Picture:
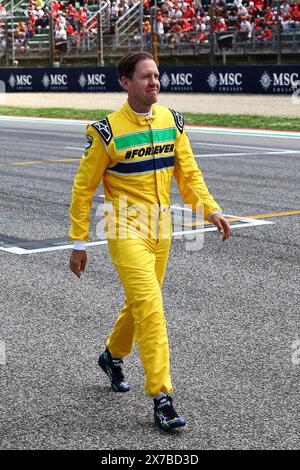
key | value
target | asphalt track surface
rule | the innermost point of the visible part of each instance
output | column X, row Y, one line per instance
column 232, row 308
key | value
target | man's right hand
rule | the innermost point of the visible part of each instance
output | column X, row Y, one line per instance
column 78, row 260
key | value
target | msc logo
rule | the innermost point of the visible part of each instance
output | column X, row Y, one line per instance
column 228, row 79
column 265, row 81
column 176, row 79
column 20, row 80
column 92, row 79
column 284, row 79
column 96, row 79
column 181, row 79
column 55, row 79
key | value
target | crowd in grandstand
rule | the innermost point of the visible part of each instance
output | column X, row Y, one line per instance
column 177, row 21
column 187, row 20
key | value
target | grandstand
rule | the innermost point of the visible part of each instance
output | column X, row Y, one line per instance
column 195, row 31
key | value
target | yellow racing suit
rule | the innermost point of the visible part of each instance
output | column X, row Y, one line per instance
column 136, row 157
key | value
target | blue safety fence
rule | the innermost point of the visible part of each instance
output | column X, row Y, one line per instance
column 262, row 79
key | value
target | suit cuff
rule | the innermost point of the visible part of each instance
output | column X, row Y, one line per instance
column 213, row 213
column 78, row 245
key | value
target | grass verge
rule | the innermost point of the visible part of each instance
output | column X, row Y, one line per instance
column 256, row 122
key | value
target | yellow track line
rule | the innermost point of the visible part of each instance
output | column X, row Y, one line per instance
column 259, row 216
column 35, row 162
column 274, row 214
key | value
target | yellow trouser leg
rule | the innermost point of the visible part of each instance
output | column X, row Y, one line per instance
column 141, row 267
column 121, row 339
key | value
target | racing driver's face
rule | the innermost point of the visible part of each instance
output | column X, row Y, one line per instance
column 143, row 87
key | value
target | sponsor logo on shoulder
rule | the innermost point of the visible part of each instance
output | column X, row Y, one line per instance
column 89, row 141
column 179, row 120
column 104, row 129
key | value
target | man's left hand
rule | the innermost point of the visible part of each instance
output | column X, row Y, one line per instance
column 222, row 225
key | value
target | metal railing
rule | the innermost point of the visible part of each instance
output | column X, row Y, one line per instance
column 127, row 23
column 13, row 6
column 104, row 10
column 231, row 43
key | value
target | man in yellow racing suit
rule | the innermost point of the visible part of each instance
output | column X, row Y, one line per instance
column 135, row 151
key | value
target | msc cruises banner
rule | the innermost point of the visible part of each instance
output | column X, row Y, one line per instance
column 262, row 79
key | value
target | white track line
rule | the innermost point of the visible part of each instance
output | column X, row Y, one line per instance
column 244, row 132
column 247, row 222
column 42, row 120
column 223, row 154
column 241, row 147
column 236, row 154
column 21, row 251
column 75, row 148
column 213, row 229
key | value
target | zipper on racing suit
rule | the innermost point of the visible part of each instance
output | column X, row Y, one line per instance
column 148, row 121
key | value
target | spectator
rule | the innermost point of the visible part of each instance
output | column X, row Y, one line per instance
column 30, row 32
column 147, row 27
column 178, row 13
column 287, row 23
column 123, row 8
column 60, row 34
column 114, row 11
column 61, row 20
column 177, row 27
column 252, row 10
column 220, row 25
column 296, row 16
column 56, row 6
column 187, row 26
column 206, row 20
column 182, row 4
column 171, row 12
column 242, row 10
column 81, row 19
column 60, row 39
column 39, row 4
column 70, row 30
column 2, row 12
column 246, row 29
column 42, row 21
column 20, row 31
column 199, row 38
column 259, row 4
column 160, row 29
column 269, row 16
column 285, row 6
column 166, row 6
column 258, row 24
column 189, row 12
column 267, row 34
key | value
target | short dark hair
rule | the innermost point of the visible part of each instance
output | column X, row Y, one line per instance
column 127, row 64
